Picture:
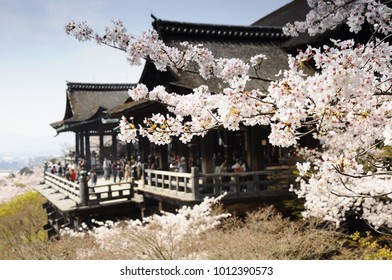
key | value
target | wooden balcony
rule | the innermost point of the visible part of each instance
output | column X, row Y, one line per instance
column 71, row 203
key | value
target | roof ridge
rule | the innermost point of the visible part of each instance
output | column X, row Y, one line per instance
column 218, row 30
column 99, row 86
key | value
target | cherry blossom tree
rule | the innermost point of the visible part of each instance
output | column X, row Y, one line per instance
column 160, row 236
column 18, row 184
column 345, row 104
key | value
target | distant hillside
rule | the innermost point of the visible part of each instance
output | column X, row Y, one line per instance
column 16, row 164
column 11, row 164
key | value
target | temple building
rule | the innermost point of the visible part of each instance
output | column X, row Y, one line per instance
column 225, row 41
column 94, row 109
column 86, row 116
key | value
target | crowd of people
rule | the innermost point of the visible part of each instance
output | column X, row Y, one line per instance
column 223, row 166
column 183, row 164
column 71, row 171
column 118, row 171
column 122, row 170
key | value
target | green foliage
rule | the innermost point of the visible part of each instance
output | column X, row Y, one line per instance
column 19, row 203
column 294, row 206
column 371, row 247
column 19, row 185
column 373, row 159
column 21, row 225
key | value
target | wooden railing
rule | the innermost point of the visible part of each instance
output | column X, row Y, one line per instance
column 246, row 183
column 192, row 186
column 85, row 195
column 62, row 185
column 170, row 183
column 196, row 185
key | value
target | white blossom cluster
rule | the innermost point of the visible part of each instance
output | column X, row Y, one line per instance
column 326, row 15
column 346, row 105
column 340, row 99
column 80, row 31
column 165, row 235
column 332, row 196
column 18, row 184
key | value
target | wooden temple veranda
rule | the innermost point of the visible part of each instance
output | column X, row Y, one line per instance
column 70, row 204
column 94, row 110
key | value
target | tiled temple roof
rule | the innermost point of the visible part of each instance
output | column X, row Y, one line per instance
column 169, row 28
column 72, row 86
column 89, row 102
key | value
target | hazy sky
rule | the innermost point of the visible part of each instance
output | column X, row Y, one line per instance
column 37, row 57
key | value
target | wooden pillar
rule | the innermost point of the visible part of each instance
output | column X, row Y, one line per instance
column 101, row 157
column 77, row 146
column 229, row 141
column 195, row 182
column 81, row 141
column 144, row 148
column 163, row 155
column 207, row 153
column 183, row 150
column 253, row 148
column 88, row 151
column 114, row 146
column 129, row 150
column 257, row 146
